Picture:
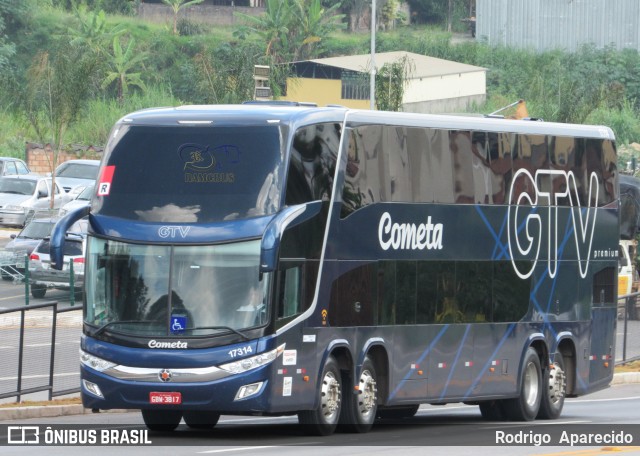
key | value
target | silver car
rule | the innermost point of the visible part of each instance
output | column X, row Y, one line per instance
column 43, row 277
column 73, row 173
column 23, row 196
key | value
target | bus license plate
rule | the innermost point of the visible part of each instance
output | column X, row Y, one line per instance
column 165, row 398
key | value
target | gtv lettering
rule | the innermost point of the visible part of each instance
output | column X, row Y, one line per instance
column 525, row 233
column 173, row 231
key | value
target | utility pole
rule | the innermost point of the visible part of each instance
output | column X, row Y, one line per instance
column 372, row 88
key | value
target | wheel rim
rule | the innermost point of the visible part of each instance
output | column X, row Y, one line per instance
column 330, row 396
column 367, row 397
column 557, row 384
column 531, row 386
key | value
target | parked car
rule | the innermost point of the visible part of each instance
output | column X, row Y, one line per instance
column 73, row 173
column 10, row 166
column 83, row 199
column 25, row 242
column 23, row 196
column 43, row 277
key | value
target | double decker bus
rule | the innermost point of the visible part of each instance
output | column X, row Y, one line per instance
column 346, row 265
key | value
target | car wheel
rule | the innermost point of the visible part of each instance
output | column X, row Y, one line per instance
column 38, row 291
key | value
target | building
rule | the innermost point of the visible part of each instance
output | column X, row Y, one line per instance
column 551, row 24
column 433, row 86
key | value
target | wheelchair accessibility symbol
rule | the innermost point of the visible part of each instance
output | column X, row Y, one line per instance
column 178, row 324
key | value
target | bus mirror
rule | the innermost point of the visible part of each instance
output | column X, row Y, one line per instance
column 289, row 217
column 56, row 244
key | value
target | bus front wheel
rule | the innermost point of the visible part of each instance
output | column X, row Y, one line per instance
column 525, row 407
column 556, row 389
column 361, row 404
column 161, row 420
column 324, row 419
column 201, row 419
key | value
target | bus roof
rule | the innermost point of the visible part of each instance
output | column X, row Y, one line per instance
column 251, row 114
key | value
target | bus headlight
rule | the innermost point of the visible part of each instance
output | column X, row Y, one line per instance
column 94, row 362
column 247, row 364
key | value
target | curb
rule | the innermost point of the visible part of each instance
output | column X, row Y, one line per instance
column 51, row 411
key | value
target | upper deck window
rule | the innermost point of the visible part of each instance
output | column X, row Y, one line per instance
column 191, row 174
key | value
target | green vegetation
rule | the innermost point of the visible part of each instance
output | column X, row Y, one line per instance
column 130, row 64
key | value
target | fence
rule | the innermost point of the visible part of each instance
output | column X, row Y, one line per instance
column 629, row 313
column 39, row 350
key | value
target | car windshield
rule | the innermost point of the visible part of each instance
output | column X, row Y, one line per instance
column 176, row 291
column 87, row 193
column 37, row 229
column 17, row 186
column 77, row 171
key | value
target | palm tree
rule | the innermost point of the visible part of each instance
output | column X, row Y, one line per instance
column 274, row 27
column 177, row 5
column 315, row 24
column 122, row 62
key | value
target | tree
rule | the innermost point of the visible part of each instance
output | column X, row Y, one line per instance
column 390, row 84
column 121, row 63
column 315, row 24
column 92, row 29
column 273, row 27
column 294, row 29
column 176, row 6
column 58, row 86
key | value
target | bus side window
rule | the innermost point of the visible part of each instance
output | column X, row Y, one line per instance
column 289, row 303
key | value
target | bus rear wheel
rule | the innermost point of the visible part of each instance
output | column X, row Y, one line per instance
column 161, row 420
column 525, row 407
column 324, row 419
column 553, row 398
column 201, row 419
column 361, row 404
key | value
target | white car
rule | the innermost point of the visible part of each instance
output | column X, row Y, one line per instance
column 82, row 199
column 43, row 277
column 22, row 197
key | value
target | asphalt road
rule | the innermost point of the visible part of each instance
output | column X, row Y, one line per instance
column 449, row 430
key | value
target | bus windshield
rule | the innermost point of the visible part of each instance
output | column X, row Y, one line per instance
column 194, row 174
column 152, row 290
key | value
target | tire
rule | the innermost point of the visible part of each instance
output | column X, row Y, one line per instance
column 201, row 419
column 398, row 413
column 324, row 419
column 492, row 410
column 161, row 420
column 525, row 407
column 553, row 397
column 361, row 406
column 38, row 291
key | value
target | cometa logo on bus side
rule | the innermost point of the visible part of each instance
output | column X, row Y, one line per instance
column 409, row 236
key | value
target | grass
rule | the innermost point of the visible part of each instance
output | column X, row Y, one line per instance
column 632, row 366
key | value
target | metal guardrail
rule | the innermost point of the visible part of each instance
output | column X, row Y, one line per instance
column 48, row 340
column 630, row 311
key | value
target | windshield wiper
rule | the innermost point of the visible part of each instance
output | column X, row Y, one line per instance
column 106, row 325
column 228, row 328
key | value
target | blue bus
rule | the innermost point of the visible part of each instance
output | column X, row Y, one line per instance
column 346, row 266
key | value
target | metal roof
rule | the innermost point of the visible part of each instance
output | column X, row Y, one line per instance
column 423, row 66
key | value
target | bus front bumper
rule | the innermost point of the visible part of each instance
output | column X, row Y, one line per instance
column 231, row 394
